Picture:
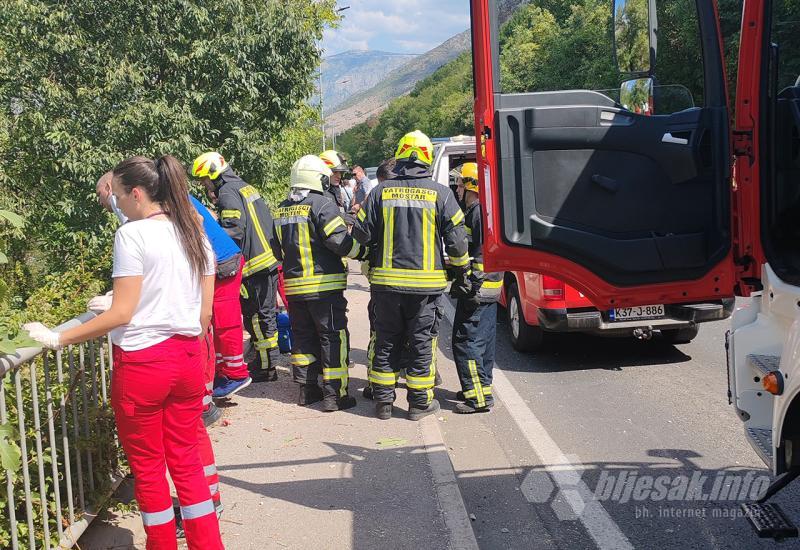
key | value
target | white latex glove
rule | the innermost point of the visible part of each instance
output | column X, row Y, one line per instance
column 46, row 337
column 100, row 304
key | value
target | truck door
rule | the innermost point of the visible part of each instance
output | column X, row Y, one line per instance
column 606, row 155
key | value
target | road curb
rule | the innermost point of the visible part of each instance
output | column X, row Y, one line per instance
column 448, row 493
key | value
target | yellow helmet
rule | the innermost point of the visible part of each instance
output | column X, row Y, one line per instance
column 469, row 175
column 334, row 161
column 310, row 172
column 416, row 147
column 209, row 165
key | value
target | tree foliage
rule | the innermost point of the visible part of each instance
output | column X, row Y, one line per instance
column 86, row 83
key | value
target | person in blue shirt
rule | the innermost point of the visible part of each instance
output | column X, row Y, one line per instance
column 231, row 371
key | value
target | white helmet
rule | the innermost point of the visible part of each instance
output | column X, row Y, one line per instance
column 310, row 172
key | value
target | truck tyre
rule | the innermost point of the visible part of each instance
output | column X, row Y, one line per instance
column 524, row 337
column 680, row 335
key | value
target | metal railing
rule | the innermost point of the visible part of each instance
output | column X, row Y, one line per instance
column 56, row 405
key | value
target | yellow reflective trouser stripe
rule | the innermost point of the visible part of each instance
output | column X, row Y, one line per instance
column 487, row 390
column 476, row 383
column 225, row 214
column 328, row 229
column 457, row 218
column 383, row 378
column 339, row 372
column 243, row 292
column 257, row 344
column 425, row 382
column 492, row 284
column 429, row 396
column 459, row 261
column 388, row 236
column 302, row 359
column 477, row 266
column 428, row 238
column 371, row 350
column 469, row 230
column 304, row 246
column 362, row 215
column 279, row 231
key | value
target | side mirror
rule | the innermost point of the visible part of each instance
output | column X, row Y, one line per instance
column 635, row 36
column 637, row 95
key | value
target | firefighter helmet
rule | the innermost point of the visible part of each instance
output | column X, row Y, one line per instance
column 469, row 175
column 335, row 161
column 416, row 147
column 208, row 165
column 310, row 172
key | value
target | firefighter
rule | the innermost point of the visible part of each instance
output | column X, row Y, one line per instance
column 475, row 321
column 247, row 219
column 311, row 239
column 333, row 190
column 404, row 223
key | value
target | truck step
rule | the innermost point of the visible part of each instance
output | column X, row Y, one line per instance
column 769, row 521
column 761, row 440
column 764, row 364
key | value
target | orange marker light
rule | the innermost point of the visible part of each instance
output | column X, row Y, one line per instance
column 773, row 383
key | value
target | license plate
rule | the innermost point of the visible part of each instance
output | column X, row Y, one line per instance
column 636, row 313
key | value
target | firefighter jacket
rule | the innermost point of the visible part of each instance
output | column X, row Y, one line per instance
column 485, row 285
column 311, row 238
column 247, row 219
column 408, row 223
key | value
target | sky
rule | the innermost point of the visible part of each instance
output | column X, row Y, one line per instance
column 397, row 26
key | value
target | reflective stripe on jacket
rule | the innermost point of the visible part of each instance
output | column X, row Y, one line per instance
column 489, row 283
column 405, row 222
column 311, row 239
column 245, row 216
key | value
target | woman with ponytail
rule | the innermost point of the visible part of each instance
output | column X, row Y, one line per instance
column 163, row 288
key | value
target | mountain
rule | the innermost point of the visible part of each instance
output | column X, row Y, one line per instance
column 362, row 69
column 400, row 81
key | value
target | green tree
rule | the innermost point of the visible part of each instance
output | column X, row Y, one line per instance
column 85, row 83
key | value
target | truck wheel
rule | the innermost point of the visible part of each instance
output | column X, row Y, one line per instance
column 680, row 335
column 524, row 337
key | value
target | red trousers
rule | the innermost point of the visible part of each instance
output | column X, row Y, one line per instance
column 157, row 396
column 203, row 441
column 227, row 324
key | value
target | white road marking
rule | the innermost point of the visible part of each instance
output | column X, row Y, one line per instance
column 604, row 531
column 447, row 491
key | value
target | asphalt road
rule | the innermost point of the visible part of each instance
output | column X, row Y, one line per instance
column 609, row 443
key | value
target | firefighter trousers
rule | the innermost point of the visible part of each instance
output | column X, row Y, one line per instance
column 259, row 311
column 406, row 336
column 157, row 395
column 227, row 323
column 474, row 335
column 320, row 342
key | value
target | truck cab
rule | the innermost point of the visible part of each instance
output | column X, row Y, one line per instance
column 654, row 180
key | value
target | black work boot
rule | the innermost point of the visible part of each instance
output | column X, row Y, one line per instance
column 264, row 375
column 309, row 393
column 383, row 410
column 437, row 379
column 416, row 413
column 466, row 408
column 333, row 403
column 460, row 396
column 211, row 415
column 367, row 392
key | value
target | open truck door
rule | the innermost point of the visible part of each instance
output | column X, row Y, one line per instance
column 623, row 188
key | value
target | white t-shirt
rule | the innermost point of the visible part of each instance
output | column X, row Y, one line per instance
column 171, row 297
